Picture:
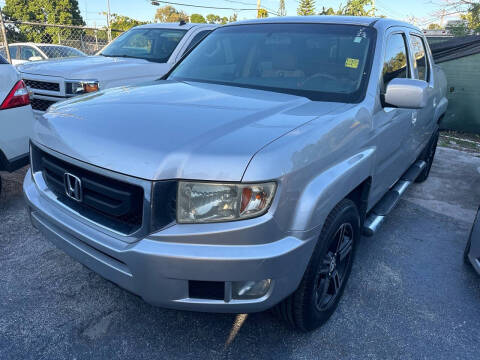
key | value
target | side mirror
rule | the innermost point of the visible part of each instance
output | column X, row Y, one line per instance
column 35, row 58
column 406, row 93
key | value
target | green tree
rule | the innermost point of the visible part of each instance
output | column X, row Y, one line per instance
column 358, row 8
column 262, row 13
column 281, row 8
column 58, row 12
column 306, row 7
column 434, row 27
column 328, row 11
column 459, row 28
column 168, row 14
column 472, row 17
column 121, row 22
column 197, row 19
column 213, row 19
column 233, row 18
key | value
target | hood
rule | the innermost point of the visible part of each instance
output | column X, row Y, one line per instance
column 172, row 129
column 96, row 68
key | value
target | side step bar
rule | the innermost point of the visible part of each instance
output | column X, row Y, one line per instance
column 390, row 199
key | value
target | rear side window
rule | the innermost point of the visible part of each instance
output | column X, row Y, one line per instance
column 2, row 60
column 197, row 38
column 396, row 60
column 420, row 55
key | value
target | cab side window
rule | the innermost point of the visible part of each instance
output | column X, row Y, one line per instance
column 396, row 60
column 420, row 56
column 27, row 52
column 196, row 39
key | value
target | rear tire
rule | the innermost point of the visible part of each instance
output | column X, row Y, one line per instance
column 428, row 156
column 323, row 283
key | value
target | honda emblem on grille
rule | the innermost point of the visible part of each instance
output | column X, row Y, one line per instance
column 73, row 186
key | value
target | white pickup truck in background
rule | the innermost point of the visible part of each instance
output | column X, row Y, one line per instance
column 142, row 54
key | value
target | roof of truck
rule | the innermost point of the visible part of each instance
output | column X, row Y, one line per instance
column 327, row 19
column 186, row 26
column 37, row 44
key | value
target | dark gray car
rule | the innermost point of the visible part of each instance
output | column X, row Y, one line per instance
column 472, row 250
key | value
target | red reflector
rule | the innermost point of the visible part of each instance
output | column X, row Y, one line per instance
column 18, row 96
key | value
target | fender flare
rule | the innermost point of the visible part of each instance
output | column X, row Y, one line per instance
column 441, row 109
column 330, row 187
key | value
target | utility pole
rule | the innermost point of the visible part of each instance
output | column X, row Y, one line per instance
column 373, row 7
column 109, row 29
column 4, row 34
column 443, row 13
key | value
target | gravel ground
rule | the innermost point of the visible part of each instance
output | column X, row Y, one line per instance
column 410, row 295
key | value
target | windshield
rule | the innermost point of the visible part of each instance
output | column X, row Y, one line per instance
column 326, row 62
column 149, row 44
column 55, row 52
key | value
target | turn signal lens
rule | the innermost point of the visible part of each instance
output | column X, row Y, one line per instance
column 82, row 87
column 90, row 87
column 18, row 96
column 215, row 202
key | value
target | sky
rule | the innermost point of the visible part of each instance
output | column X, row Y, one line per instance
column 143, row 10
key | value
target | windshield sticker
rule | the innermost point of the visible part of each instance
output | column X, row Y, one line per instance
column 352, row 63
column 358, row 39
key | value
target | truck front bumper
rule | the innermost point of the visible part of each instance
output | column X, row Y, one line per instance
column 162, row 272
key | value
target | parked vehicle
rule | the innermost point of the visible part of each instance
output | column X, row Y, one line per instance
column 472, row 250
column 144, row 53
column 244, row 178
column 16, row 119
column 22, row 53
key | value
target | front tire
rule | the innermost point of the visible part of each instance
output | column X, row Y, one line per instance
column 323, row 283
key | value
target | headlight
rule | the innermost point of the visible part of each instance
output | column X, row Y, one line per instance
column 215, row 202
column 81, row 87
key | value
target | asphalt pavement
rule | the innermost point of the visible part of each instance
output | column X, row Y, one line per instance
column 410, row 295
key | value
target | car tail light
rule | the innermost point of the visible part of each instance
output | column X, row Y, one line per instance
column 18, row 96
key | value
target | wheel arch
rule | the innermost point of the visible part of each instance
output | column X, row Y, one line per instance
column 350, row 178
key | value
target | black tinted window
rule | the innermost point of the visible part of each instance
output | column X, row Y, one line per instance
column 396, row 63
column 420, row 55
column 197, row 38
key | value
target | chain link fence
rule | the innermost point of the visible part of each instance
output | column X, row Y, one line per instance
column 30, row 41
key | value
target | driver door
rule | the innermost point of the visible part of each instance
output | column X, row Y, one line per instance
column 393, row 126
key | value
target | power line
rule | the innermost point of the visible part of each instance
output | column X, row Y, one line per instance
column 249, row 4
column 207, row 7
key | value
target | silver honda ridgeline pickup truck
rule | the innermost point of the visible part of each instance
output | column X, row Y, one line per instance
column 244, row 179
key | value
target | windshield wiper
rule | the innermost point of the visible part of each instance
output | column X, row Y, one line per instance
column 135, row 57
column 125, row 56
